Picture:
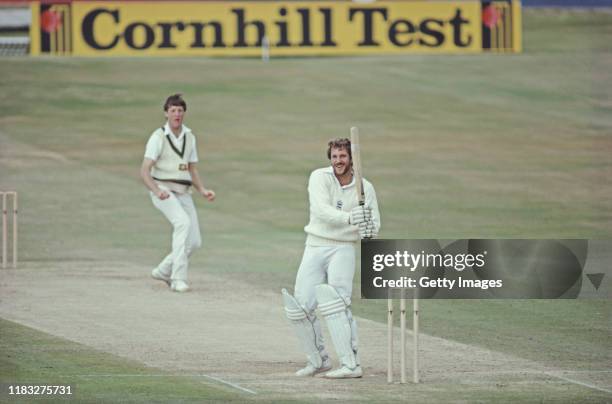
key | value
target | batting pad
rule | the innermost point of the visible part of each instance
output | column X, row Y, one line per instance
column 304, row 329
column 333, row 308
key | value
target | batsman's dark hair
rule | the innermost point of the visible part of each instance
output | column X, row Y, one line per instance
column 340, row 143
column 175, row 100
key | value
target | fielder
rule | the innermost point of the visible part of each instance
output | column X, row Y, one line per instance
column 325, row 275
column 169, row 172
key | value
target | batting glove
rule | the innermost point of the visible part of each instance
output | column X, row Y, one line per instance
column 360, row 214
column 366, row 229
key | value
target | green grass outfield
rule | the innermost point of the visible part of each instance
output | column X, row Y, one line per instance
column 456, row 146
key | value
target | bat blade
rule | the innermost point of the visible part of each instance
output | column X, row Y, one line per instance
column 356, row 153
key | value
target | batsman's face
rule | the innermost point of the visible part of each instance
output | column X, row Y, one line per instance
column 175, row 115
column 341, row 161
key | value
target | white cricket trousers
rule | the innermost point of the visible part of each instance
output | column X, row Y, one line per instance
column 334, row 265
column 181, row 213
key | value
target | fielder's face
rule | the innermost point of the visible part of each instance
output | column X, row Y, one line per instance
column 341, row 161
column 175, row 114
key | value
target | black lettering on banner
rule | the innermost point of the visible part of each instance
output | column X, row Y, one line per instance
column 241, row 26
column 429, row 31
column 282, row 29
column 87, row 28
column 327, row 26
column 166, row 28
column 148, row 32
column 305, row 14
column 401, row 27
column 198, row 34
column 368, row 23
column 457, row 22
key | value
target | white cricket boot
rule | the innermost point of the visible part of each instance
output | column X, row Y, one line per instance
column 179, row 286
column 310, row 370
column 344, row 373
column 156, row 274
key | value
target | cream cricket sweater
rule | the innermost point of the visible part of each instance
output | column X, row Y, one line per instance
column 330, row 204
column 173, row 162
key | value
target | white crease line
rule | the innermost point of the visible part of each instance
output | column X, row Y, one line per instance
column 230, row 384
column 553, row 374
column 580, row 383
column 528, row 371
column 234, row 385
column 584, row 371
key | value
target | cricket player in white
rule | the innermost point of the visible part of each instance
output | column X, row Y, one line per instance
column 169, row 171
column 325, row 275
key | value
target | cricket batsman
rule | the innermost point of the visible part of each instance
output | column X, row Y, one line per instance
column 325, row 276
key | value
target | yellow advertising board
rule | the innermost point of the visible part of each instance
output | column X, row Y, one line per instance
column 280, row 28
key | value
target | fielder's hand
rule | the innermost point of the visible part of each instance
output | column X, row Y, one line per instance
column 209, row 194
column 162, row 194
column 366, row 229
column 360, row 214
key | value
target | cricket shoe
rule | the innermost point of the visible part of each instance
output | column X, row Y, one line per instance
column 344, row 373
column 310, row 371
column 179, row 286
column 156, row 274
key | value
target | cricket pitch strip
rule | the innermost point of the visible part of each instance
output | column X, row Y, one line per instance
column 244, row 342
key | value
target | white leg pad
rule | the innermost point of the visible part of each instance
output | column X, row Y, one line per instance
column 334, row 309
column 304, row 330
